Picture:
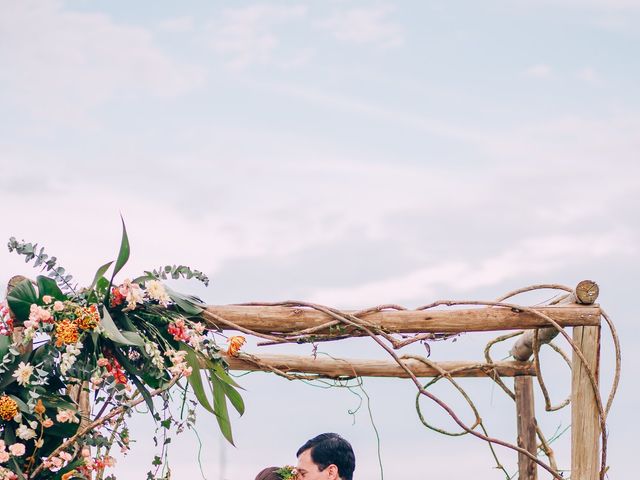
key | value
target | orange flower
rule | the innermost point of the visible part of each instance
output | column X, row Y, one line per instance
column 66, row 332
column 68, row 475
column 87, row 318
column 8, row 408
column 235, row 344
column 39, row 408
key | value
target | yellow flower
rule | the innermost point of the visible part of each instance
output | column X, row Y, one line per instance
column 235, row 344
column 66, row 332
column 8, row 408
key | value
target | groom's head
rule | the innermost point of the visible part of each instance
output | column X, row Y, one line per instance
column 326, row 457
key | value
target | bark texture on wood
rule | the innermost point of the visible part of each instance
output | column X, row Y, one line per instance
column 343, row 367
column 285, row 320
column 527, row 469
column 585, row 423
column 586, row 293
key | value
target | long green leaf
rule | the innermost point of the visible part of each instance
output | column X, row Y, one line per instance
column 99, row 273
column 220, row 409
column 21, row 405
column 133, row 337
column 234, row 397
column 5, row 341
column 112, row 331
column 195, row 379
column 123, row 254
column 20, row 299
column 188, row 303
column 48, row 286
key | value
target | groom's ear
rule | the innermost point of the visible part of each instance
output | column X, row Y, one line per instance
column 332, row 470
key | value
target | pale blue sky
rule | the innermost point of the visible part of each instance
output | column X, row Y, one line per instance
column 350, row 153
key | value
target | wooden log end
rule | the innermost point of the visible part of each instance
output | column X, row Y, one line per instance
column 587, row 292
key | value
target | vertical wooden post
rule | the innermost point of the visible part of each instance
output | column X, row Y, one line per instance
column 527, row 469
column 585, row 422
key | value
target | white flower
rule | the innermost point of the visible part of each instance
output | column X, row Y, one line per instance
column 133, row 293
column 25, row 433
column 156, row 291
column 18, row 418
column 154, row 352
column 23, row 373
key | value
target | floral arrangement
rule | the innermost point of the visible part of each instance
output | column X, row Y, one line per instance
column 287, row 473
column 119, row 344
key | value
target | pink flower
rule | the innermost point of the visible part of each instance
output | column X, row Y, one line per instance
column 58, row 306
column 38, row 314
column 65, row 416
column 103, row 362
column 47, row 423
column 65, row 456
column 47, row 299
column 4, row 456
column 17, row 449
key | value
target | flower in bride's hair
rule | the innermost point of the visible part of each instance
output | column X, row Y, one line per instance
column 287, row 473
column 235, row 344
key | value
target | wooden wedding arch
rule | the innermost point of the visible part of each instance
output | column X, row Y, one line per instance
column 393, row 327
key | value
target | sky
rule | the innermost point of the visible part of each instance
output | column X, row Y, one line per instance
column 349, row 153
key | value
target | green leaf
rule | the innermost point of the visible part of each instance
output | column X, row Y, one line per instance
column 20, row 299
column 234, row 397
column 5, row 341
column 21, row 405
column 112, row 331
column 188, row 303
column 134, row 338
column 222, row 374
column 48, row 286
column 220, row 409
column 99, row 273
column 123, row 254
column 195, row 379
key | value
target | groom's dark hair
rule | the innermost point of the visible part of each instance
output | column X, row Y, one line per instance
column 331, row 448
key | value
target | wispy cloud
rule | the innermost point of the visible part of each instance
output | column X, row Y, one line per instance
column 177, row 24
column 248, row 35
column 536, row 256
column 589, row 75
column 59, row 64
column 365, row 25
column 539, row 70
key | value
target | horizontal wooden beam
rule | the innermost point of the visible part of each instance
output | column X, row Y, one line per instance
column 272, row 319
column 329, row 367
